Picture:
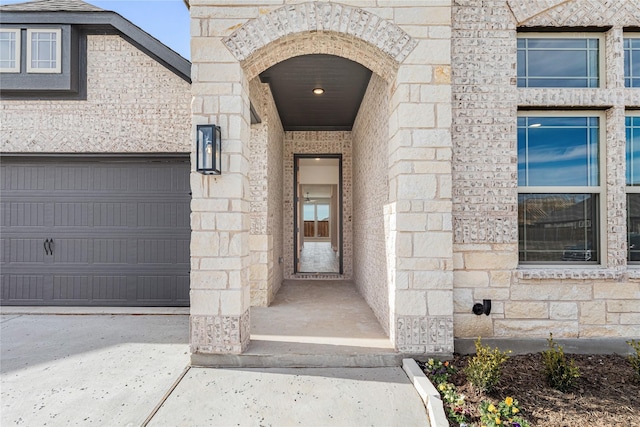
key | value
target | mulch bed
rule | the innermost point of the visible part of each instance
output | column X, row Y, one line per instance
column 606, row 394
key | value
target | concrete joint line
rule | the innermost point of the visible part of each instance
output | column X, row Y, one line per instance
column 166, row 396
column 429, row 394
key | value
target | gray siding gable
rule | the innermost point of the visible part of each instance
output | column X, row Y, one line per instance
column 98, row 22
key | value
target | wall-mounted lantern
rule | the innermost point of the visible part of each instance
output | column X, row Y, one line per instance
column 208, row 150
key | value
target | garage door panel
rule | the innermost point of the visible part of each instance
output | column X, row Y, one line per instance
column 23, row 287
column 73, row 214
column 163, row 215
column 26, row 250
column 71, row 251
column 156, row 288
column 110, row 288
column 182, row 289
column 71, row 288
column 72, row 178
column 154, row 179
column 23, row 214
column 27, row 178
column 113, row 214
column 109, row 179
column 112, row 251
column 120, row 233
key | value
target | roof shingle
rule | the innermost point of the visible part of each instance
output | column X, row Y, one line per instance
column 51, row 6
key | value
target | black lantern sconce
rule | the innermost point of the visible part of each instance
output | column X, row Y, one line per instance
column 208, row 150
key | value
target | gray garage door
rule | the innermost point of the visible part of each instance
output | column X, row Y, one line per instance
column 113, row 232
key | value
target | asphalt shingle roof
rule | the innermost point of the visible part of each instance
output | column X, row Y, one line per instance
column 51, row 6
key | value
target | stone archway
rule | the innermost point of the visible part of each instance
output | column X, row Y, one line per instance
column 330, row 28
column 420, row 298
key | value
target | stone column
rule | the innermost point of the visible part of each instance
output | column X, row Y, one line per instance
column 220, row 294
column 419, row 216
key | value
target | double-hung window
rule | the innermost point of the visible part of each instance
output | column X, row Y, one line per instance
column 632, row 126
column 560, row 187
column 10, row 50
column 559, row 60
column 632, row 61
column 44, row 50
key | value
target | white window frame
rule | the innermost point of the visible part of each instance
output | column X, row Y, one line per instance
column 601, row 54
column 630, row 189
column 18, row 57
column 630, row 36
column 600, row 189
column 58, row 67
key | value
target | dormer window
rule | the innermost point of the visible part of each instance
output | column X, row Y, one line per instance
column 10, row 50
column 44, row 50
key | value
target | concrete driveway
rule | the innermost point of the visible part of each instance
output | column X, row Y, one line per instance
column 121, row 370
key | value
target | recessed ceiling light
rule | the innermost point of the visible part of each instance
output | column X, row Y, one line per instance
column 318, row 91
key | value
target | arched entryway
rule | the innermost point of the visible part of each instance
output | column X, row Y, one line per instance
column 388, row 214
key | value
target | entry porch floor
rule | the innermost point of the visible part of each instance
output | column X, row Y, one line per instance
column 312, row 323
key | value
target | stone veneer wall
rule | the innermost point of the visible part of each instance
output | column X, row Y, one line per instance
column 370, row 196
column 265, row 180
column 599, row 301
column 407, row 43
column 133, row 105
column 318, row 142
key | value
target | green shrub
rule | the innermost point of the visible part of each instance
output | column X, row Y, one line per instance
column 634, row 359
column 485, row 368
column 560, row 374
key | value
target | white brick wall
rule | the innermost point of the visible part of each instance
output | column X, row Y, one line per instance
column 265, row 240
column 598, row 301
column 370, row 194
column 133, row 105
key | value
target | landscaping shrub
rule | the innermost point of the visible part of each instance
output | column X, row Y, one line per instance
column 560, row 374
column 634, row 359
column 484, row 369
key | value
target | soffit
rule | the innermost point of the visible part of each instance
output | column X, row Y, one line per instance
column 292, row 82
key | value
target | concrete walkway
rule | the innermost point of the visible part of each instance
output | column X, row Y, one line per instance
column 121, row 370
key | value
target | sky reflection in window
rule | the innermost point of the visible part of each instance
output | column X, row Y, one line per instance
column 558, row 151
column 549, row 62
column 633, row 150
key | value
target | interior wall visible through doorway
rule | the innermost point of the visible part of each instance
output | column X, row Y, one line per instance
column 317, row 142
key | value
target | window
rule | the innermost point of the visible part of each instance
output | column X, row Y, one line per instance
column 43, row 51
column 632, row 125
column 316, row 219
column 632, row 62
column 559, row 186
column 559, row 61
column 10, row 50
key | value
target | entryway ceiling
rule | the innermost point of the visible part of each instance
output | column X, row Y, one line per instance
column 292, row 83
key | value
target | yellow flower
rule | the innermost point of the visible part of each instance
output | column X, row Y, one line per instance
column 515, row 410
column 509, row 401
column 491, row 408
column 441, row 387
column 498, row 421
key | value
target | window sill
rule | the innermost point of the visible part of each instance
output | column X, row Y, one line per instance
column 570, row 273
column 634, row 271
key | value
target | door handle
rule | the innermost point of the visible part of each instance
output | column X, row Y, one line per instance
column 48, row 249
